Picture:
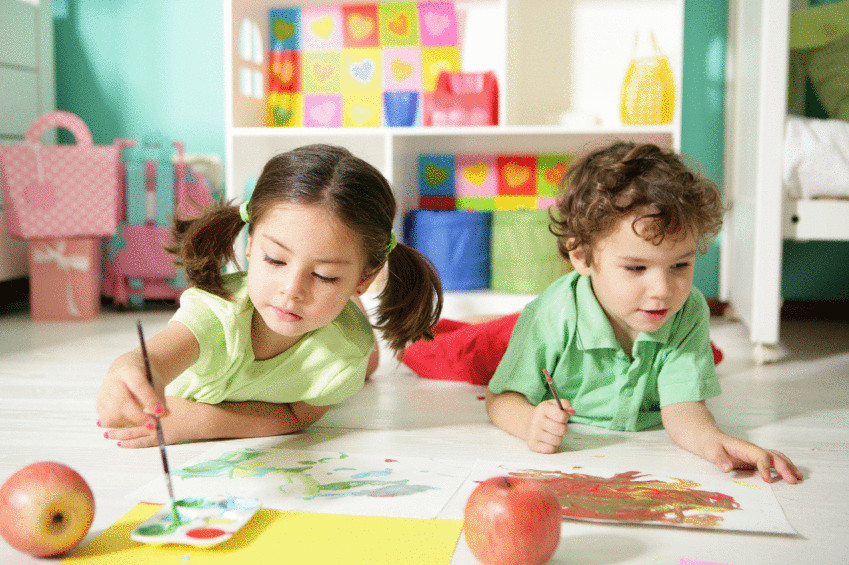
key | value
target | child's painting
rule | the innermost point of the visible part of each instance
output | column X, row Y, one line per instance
column 634, row 497
column 311, row 481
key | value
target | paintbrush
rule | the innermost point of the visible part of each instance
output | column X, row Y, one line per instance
column 159, row 435
column 551, row 388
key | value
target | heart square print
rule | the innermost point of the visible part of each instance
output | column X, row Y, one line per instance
column 321, row 28
column 437, row 24
column 323, row 110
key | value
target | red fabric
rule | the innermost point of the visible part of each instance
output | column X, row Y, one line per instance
column 469, row 352
column 461, row 351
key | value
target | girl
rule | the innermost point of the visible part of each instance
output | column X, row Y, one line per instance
column 268, row 351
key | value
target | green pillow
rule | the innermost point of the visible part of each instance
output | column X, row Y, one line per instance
column 828, row 68
column 821, row 35
column 819, row 25
column 524, row 257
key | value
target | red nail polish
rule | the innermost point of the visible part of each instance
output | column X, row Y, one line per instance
column 119, row 444
column 158, row 411
column 150, row 425
column 99, row 425
column 106, row 435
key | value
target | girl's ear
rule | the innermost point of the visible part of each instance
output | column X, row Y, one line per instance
column 367, row 280
column 248, row 247
column 578, row 258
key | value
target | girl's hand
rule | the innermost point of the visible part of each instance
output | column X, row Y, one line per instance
column 548, row 425
column 730, row 453
column 174, row 426
column 126, row 398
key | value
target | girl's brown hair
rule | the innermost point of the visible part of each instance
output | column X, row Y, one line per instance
column 624, row 178
column 360, row 196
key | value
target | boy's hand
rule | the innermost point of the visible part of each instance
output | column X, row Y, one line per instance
column 548, row 425
column 692, row 426
column 730, row 453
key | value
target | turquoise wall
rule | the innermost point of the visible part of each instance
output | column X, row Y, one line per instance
column 129, row 68
column 703, row 108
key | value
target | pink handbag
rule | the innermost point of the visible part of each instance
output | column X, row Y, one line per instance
column 463, row 99
column 60, row 191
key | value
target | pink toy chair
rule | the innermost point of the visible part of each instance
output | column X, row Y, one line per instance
column 137, row 265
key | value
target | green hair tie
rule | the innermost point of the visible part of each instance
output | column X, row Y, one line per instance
column 393, row 241
column 244, row 213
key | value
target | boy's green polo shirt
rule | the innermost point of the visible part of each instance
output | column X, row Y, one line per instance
column 566, row 331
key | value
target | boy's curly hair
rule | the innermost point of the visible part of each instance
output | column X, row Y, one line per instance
column 626, row 178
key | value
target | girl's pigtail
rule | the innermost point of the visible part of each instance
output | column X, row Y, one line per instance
column 204, row 245
column 411, row 300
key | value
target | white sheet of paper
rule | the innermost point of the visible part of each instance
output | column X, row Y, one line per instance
column 315, row 481
column 687, row 500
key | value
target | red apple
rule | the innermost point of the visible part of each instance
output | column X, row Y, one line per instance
column 512, row 521
column 45, row 509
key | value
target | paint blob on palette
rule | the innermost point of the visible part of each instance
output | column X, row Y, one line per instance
column 200, row 522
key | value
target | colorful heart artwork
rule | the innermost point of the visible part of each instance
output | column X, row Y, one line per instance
column 323, row 110
column 282, row 116
column 370, row 50
column 435, row 175
column 360, row 27
column 283, row 30
column 363, row 70
column 401, row 70
column 285, row 70
column 516, row 175
column 361, row 114
column 399, row 25
column 322, row 72
column 555, row 174
column 323, row 113
column 436, row 24
column 476, row 174
column 323, row 27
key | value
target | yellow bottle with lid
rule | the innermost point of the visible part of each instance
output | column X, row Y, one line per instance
column 648, row 92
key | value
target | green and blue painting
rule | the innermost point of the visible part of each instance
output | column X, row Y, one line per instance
column 313, row 481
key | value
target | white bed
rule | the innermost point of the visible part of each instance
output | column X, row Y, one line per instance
column 815, row 172
column 768, row 176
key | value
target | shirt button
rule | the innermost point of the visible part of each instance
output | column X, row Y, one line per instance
column 628, row 392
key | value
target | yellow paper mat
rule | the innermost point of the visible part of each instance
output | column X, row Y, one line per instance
column 291, row 537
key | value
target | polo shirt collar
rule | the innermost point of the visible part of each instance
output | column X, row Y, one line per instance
column 594, row 331
column 593, row 327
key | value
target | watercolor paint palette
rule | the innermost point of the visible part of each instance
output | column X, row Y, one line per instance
column 200, row 522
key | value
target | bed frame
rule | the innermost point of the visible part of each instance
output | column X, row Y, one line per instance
column 761, row 214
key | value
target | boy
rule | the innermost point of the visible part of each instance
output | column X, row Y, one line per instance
column 624, row 336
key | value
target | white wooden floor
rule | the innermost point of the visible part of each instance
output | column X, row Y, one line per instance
column 50, row 374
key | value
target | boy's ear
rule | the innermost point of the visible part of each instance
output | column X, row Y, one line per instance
column 578, row 258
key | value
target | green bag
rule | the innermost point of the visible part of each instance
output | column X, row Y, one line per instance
column 524, row 256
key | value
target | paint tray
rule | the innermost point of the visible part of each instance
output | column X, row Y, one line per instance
column 203, row 522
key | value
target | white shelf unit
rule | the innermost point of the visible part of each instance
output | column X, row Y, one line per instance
column 550, row 58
